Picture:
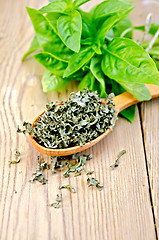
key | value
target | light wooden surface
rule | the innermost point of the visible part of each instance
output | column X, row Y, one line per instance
column 126, row 208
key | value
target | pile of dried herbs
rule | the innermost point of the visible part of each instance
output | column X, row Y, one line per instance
column 78, row 120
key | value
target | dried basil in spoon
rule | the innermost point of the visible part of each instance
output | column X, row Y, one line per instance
column 78, row 120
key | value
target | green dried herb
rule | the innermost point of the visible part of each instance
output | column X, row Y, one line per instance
column 18, row 158
column 93, row 182
column 53, row 164
column 88, row 172
column 77, row 168
column 78, row 120
column 69, row 187
column 116, row 164
column 55, row 205
column 38, row 176
column 59, row 197
column 77, row 174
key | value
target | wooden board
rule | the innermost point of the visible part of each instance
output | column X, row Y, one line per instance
column 150, row 120
column 122, row 210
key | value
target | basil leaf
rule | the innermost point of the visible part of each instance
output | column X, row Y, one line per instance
column 110, row 7
column 86, row 81
column 131, row 66
column 47, row 38
column 154, row 51
column 78, row 75
column 156, row 62
column 128, row 113
column 51, row 82
column 50, row 63
column 95, row 68
column 52, row 19
column 110, row 35
column 56, row 6
column 78, row 3
column 87, row 27
column 153, row 29
column 78, row 60
column 33, row 47
column 97, row 47
column 89, row 81
column 123, row 26
column 110, row 22
column 70, row 28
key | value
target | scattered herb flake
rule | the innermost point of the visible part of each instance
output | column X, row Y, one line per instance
column 116, row 164
column 53, row 164
column 93, row 182
column 77, row 174
column 77, row 168
column 69, row 187
column 38, row 176
column 59, row 197
column 18, row 158
column 88, row 172
column 55, row 205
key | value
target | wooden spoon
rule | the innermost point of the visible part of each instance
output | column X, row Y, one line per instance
column 121, row 102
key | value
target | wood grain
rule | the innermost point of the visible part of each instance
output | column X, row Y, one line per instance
column 121, row 211
column 150, row 120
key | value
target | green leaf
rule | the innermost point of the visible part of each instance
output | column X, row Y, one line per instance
column 110, row 21
column 87, row 27
column 95, row 68
column 154, row 51
column 110, row 35
column 153, row 29
column 56, row 6
column 86, row 81
column 156, row 62
column 33, row 47
column 78, row 60
column 51, row 82
column 124, row 26
column 128, row 113
column 49, row 41
column 89, row 81
column 110, row 7
column 78, row 3
column 97, row 47
column 52, row 19
column 70, row 28
column 51, row 63
column 131, row 66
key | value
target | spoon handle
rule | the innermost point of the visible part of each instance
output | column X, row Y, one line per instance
column 125, row 99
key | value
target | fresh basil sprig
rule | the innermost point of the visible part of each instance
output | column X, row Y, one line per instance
column 94, row 47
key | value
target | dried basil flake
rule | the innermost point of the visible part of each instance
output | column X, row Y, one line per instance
column 93, row 182
column 88, row 172
column 57, row 203
column 18, row 158
column 68, row 187
column 116, row 164
column 38, row 175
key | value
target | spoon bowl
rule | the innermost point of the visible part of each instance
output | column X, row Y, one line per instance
column 121, row 102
